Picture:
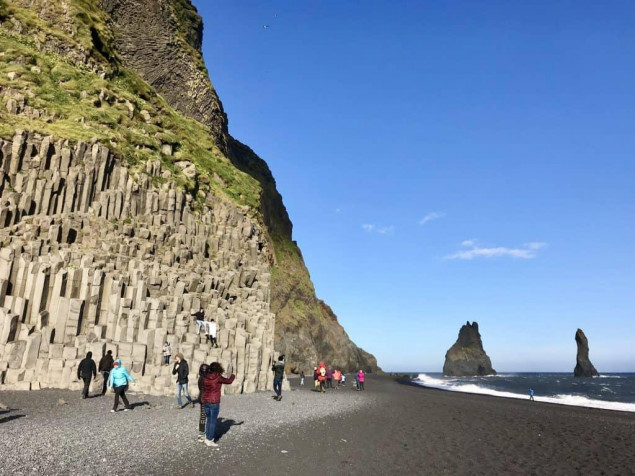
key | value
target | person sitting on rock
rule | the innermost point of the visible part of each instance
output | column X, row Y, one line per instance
column 118, row 381
column 181, row 370
column 200, row 320
column 86, row 371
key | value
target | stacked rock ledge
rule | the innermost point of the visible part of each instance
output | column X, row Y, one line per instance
column 94, row 257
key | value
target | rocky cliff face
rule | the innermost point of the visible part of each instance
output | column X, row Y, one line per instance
column 153, row 41
column 583, row 366
column 122, row 210
column 467, row 357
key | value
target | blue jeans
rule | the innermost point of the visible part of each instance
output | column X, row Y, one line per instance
column 277, row 386
column 211, row 413
column 182, row 387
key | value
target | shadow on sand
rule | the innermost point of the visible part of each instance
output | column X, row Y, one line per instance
column 138, row 404
column 5, row 419
column 223, row 425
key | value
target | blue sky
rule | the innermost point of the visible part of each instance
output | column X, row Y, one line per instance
column 448, row 161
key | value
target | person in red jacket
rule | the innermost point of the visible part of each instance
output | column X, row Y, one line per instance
column 210, row 399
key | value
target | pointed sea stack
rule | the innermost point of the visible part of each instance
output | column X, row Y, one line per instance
column 583, row 366
column 467, row 357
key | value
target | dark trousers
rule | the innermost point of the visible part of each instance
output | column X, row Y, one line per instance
column 361, row 385
column 105, row 386
column 121, row 392
column 86, row 386
column 212, row 338
column 202, row 419
column 277, row 386
column 329, row 383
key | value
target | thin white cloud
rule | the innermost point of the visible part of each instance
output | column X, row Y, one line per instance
column 431, row 216
column 381, row 230
column 528, row 251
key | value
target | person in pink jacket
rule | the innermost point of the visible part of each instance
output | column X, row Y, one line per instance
column 360, row 379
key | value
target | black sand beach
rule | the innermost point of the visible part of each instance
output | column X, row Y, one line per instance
column 391, row 428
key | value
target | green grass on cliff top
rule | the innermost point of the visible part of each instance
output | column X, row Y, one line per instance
column 56, row 90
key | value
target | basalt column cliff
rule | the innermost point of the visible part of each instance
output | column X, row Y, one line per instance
column 125, row 206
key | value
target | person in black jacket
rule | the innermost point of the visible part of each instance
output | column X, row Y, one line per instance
column 105, row 366
column 181, row 370
column 86, row 370
column 202, row 372
column 278, row 375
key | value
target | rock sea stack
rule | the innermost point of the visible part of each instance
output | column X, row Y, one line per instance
column 583, row 366
column 467, row 357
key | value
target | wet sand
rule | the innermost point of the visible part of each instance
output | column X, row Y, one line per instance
column 391, row 428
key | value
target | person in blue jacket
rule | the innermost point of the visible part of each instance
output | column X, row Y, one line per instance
column 118, row 381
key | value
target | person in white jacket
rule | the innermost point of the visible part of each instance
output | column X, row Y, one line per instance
column 211, row 332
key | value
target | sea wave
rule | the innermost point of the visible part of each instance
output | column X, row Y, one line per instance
column 573, row 400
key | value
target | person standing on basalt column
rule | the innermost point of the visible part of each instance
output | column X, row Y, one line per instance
column 105, row 366
column 86, row 370
column 210, row 328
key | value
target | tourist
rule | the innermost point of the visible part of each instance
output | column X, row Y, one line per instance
column 200, row 320
column 202, row 371
column 337, row 376
column 167, row 353
column 322, row 376
column 105, row 366
column 360, row 379
column 343, row 379
column 531, row 394
column 356, row 381
column 302, row 378
column 211, row 333
column 212, row 384
column 329, row 378
column 86, row 370
column 181, row 370
column 118, row 381
column 278, row 375
column 316, row 382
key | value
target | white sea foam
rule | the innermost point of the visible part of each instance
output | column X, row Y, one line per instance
column 453, row 386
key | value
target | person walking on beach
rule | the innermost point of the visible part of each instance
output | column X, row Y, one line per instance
column 167, row 353
column 329, row 378
column 105, row 366
column 212, row 384
column 343, row 379
column 181, row 370
column 202, row 372
column 531, row 394
column 322, row 377
column 278, row 375
column 360, row 378
column 118, row 381
column 210, row 327
column 302, row 378
column 86, row 370
column 337, row 376
column 316, row 382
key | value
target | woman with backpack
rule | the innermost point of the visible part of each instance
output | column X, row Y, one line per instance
column 118, row 381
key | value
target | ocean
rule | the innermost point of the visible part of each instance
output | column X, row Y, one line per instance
column 614, row 391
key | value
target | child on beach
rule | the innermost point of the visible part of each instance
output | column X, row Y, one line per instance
column 167, row 353
column 212, row 384
column 118, row 381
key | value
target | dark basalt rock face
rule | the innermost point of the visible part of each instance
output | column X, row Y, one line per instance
column 467, row 357
column 583, row 366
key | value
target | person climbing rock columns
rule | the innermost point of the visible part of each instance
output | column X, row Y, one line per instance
column 167, row 353
column 200, row 320
column 211, row 332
